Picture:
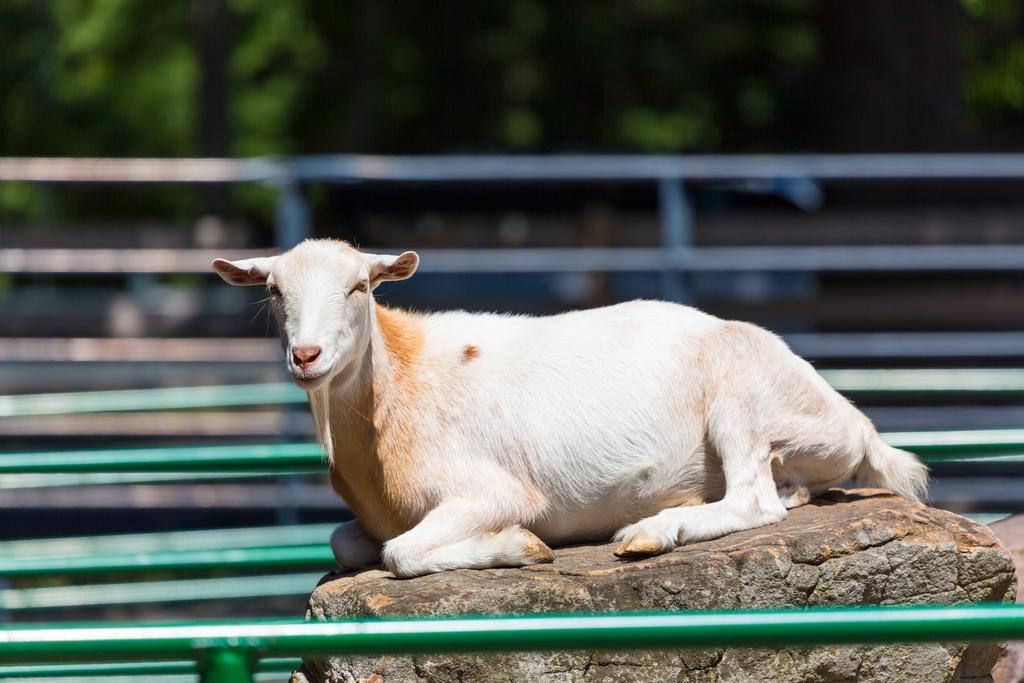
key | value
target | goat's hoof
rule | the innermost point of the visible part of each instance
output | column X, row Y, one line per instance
column 639, row 546
column 536, row 549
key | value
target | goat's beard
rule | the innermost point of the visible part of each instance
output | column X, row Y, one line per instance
column 320, row 406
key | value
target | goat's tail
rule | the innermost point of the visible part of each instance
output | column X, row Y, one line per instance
column 892, row 468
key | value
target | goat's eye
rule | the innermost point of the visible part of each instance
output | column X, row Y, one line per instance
column 358, row 287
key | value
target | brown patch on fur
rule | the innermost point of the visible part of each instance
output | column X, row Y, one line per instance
column 469, row 352
column 403, row 336
column 373, row 465
column 397, row 409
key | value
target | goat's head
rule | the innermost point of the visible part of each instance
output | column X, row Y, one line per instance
column 321, row 293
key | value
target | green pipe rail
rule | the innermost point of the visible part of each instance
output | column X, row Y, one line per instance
column 284, row 458
column 98, row 676
column 135, row 671
column 140, row 400
column 230, row 652
column 248, row 549
column 158, row 592
column 187, row 541
column 313, row 555
column 952, row 382
column 932, row 382
column 967, row 444
column 18, row 482
column 992, row 446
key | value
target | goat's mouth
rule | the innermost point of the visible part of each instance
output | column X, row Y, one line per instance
column 312, row 377
column 309, row 380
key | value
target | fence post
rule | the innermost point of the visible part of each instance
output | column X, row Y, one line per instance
column 292, row 222
column 676, row 236
column 226, row 665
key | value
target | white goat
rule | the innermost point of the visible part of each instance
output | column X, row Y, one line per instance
column 474, row 440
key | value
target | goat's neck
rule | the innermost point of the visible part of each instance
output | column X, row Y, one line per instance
column 348, row 409
column 364, row 421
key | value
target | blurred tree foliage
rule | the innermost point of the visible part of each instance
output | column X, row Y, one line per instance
column 253, row 77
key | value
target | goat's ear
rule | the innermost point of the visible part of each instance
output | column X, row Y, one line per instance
column 386, row 267
column 252, row 271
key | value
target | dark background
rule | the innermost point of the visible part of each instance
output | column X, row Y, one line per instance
column 257, row 77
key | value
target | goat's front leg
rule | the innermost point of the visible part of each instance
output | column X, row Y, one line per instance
column 352, row 548
column 464, row 534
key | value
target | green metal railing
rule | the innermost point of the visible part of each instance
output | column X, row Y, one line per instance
column 137, row 400
column 991, row 445
column 192, row 540
column 952, row 382
column 281, row 457
column 283, row 557
column 230, row 652
column 18, row 482
column 249, row 548
column 163, row 672
column 152, row 592
column 967, row 382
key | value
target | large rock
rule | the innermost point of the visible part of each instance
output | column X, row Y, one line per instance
column 1010, row 531
column 858, row 547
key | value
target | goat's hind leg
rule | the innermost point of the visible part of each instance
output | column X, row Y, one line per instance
column 750, row 501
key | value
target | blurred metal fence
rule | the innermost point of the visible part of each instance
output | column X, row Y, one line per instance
column 792, row 176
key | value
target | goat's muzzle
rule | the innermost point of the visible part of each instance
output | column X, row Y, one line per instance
column 305, row 357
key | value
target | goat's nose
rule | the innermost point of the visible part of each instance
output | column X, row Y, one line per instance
column 304, row 356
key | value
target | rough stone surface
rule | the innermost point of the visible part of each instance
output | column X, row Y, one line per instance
column 1010, row 668
column 862, row 546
